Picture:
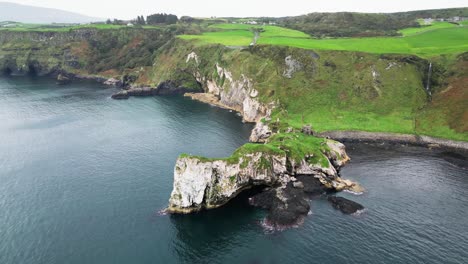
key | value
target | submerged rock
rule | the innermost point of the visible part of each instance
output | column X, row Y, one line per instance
column 344, row 205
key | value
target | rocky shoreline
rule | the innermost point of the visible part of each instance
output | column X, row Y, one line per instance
column 393, row 138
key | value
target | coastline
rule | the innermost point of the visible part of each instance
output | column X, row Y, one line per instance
column 394, row 138
column 357, row 136
column 211, row 99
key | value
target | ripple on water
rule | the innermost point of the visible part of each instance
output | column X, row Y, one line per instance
column 82, row 177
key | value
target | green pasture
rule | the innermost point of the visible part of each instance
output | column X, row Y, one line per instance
column 442, row 40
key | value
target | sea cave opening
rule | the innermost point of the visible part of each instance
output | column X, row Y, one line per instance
column 32, row 70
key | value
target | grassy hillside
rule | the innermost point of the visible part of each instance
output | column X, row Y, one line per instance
column 444, row 40
column 347, row 24
column 424, row 28
column 340, row 90
column 372, row 84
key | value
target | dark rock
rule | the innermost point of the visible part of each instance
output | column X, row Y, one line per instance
column 174, row 88
column 286, row 206
column 62, row 79
column 121, row 95
column 137, row 91
column 344, row 205
column 311, row 184
column 458, row 159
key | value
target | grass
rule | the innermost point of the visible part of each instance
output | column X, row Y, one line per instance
column 435, row 25
column 295, row 146
column 443, row 40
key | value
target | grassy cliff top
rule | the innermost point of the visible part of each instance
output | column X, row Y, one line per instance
column 441, row 38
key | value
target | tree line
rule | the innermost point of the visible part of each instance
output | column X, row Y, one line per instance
column 154, row 19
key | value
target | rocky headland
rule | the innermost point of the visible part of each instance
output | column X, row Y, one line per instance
column 289, row 167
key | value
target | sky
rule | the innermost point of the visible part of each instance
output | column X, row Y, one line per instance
column 236, row 8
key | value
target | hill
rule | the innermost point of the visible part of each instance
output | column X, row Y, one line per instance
column 40, row 15
column 346, row 24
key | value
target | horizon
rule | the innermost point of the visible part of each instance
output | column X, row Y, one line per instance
column 122, row 11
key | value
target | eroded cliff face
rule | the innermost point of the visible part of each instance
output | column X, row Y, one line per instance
column 87, row 52
column 229, row 92
column 201, row 183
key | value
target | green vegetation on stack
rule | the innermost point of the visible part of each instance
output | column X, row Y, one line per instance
column 295, row 146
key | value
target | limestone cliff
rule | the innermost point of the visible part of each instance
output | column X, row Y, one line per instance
column 201, row 183
column 229, row 92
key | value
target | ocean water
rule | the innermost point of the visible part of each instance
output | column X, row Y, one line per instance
column 82, row 178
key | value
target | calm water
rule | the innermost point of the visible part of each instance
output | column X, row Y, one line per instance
column 83, row 176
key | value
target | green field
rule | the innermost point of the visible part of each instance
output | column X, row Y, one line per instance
column 442, row 40
column 435, row 25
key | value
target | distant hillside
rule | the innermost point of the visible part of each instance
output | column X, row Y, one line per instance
column 40, row 15
column 346, row 24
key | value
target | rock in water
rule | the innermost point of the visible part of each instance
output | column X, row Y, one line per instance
column 121, row 95
column 287, row 206
column 62, row 79
column 344, row 205
column 201, row 183
column 311, row 185
column 209, row 184
column 113, row 82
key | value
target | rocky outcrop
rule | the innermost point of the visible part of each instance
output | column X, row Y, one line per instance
column 164, row 88
column 237, row 94
column 200, row 184
column 205, row 184
column 260, row 133
column 120, row 95
column 62, row 79
column 344, row 205
column 113, row 82
column 292, row 66
column 287, row 206
column 174, row 87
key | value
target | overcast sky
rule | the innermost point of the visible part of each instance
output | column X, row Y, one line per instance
column 238, row 8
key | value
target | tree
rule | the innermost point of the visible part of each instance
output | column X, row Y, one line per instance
column 161, row 19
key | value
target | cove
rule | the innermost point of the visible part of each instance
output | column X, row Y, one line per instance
column 83, row 176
